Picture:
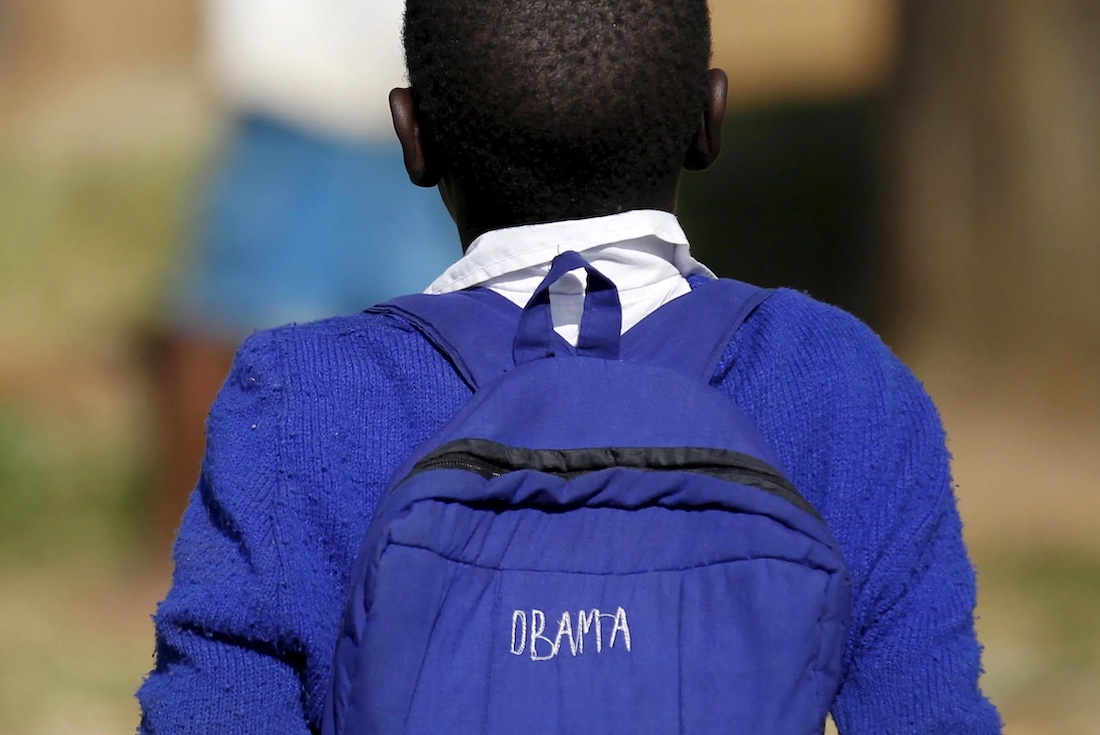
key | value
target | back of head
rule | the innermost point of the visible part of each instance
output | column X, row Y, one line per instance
column 556, row 109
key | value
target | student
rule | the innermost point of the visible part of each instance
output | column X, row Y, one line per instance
column 551, row 126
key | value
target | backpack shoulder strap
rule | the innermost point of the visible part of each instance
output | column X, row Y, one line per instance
column 474, row 329
column 691, row 333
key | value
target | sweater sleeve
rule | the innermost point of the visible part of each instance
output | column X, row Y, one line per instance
column 859, row 436
column 914, row 661
column 227, row 657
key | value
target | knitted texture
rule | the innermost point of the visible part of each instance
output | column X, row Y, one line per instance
column 314, row 419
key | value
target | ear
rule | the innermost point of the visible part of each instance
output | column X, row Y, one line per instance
column 407, row 126
column 708, row 138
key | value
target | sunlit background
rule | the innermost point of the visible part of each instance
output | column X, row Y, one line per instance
column 933, row 166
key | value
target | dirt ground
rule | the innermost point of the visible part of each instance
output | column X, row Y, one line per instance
column 1025, row 480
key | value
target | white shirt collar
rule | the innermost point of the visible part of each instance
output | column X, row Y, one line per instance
column 496, row 254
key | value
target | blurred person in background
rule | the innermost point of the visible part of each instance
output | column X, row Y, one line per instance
column 298, row 216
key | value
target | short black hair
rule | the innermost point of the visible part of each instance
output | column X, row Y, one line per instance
column 559, row 108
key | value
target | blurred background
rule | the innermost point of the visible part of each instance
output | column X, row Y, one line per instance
column 931, row 165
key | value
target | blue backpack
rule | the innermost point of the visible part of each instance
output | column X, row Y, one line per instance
column 598, row 542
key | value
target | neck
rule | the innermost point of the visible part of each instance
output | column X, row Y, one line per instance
column 475, row 216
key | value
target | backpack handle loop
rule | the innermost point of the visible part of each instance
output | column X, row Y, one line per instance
column 601, row 321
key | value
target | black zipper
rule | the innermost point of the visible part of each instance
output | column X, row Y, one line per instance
column 490, row 459
column 467, row 462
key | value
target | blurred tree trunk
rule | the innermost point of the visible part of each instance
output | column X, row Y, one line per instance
column 795, row 200
column 997, row 165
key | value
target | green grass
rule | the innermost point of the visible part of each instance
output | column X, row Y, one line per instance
column 69, row 492
column 83, row 249
column 1040, row 622
column 82, row 252
column 1064, row 589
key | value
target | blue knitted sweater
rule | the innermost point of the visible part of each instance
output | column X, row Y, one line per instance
column 313, row 420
